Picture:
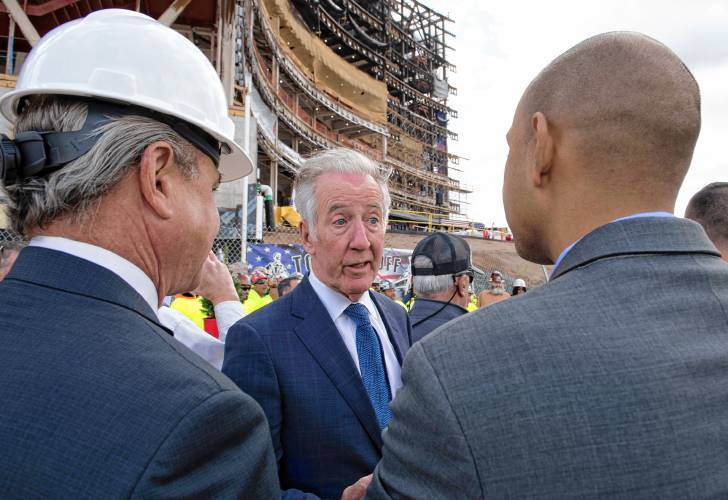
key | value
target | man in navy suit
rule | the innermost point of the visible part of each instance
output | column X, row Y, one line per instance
column 324, row 361
column 99, row 400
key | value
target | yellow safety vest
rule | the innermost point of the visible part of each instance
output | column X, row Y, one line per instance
column 190, row 307
column 255, row 301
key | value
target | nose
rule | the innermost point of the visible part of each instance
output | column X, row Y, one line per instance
column 359, row 240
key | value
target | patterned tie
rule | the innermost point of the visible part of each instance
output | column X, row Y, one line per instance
column 371, row 363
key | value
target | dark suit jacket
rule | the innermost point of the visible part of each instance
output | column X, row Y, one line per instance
column 611, row 381
column 290, row 357
column 100, row 401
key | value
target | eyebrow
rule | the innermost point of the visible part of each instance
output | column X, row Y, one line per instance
column 339, row 206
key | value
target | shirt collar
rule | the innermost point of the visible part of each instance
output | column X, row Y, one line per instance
column 633, row 216
column 118, row 265
column 335, row 302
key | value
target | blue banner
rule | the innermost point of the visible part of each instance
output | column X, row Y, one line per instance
column 277, row 261
column 281, row 261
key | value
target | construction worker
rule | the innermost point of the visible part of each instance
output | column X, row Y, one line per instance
column 259, row 295
column 473, row 303
column 243, row 287
column 190, row 305
column 387, row 288
column 121, row 135
column 519, row 287
column 376, row 284
column 495, row 293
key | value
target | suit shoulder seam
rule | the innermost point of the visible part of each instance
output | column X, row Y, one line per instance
column 455, row 416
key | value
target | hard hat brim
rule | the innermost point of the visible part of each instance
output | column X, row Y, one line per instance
column 235, row 165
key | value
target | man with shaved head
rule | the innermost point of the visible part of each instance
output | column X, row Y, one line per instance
column 709, row 208
column 612, row 379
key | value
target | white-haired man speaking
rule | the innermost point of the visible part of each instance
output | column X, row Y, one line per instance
column 324, row 360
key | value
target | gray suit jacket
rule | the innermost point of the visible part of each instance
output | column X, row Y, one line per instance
column 611, row 381
column 100, row 401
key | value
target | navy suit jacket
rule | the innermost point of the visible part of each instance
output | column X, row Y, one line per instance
column 100, row 401
column 290, row 357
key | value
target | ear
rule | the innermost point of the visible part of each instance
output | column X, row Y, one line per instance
column 157, row 175
column 305, row 232
column 543, row 149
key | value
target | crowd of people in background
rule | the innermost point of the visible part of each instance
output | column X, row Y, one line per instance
column 316, row 386
column 266, row 290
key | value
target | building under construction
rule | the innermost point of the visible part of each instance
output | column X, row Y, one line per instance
column 303, row 75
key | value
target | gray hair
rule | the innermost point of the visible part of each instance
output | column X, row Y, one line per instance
column 339, row 160
column 74, row 189
column 427, row 286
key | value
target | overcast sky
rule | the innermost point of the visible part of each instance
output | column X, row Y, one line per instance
column 501, row 45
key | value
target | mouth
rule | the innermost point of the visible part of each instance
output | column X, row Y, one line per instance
column 358, row 267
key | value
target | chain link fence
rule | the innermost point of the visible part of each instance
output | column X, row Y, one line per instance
column 488, row 256
column 7, row 236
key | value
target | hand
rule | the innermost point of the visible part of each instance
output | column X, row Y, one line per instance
column 357, row 490
column 216, row 284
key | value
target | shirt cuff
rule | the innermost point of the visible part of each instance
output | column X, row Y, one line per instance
column 227, row 314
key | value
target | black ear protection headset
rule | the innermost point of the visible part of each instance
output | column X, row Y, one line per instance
column 37, row 154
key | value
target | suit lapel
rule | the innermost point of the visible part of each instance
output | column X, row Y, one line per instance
column 397, row 337
column 320, row 336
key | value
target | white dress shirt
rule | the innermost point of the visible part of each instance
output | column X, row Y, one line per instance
column 335, row 304
column 118, row 265
column 199, row 341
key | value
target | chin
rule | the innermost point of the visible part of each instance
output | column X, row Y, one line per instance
column 531, row 253
column 357, row 287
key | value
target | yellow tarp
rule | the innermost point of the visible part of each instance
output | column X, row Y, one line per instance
column 331, row 73
column 287, row 214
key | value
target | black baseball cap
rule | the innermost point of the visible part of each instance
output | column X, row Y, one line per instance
column 449, row 254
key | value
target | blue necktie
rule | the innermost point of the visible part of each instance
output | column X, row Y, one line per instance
column 371, row 363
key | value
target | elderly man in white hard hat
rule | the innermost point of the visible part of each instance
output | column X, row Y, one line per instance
column 121, row 137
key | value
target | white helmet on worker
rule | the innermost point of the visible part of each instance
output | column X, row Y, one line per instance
column 385, row 285
column 518, row 282
column 117, row 56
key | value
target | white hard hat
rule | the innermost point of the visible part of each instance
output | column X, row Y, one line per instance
column 123, row 56
column 386, row 285
column 519, row 282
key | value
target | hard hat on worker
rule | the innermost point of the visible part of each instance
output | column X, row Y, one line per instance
column 117, row 56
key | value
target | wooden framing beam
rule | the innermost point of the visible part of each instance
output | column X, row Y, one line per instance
column 44, row 8
column 21, row 19
column 170, row 15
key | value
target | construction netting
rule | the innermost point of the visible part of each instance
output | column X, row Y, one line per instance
column 330, row 72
